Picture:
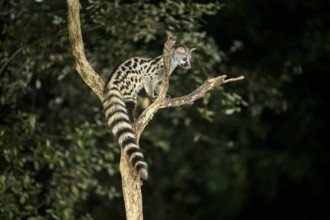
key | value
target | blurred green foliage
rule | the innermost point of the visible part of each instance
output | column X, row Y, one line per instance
column 250, row 149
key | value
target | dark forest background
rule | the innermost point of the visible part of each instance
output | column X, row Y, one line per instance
column 253, row 149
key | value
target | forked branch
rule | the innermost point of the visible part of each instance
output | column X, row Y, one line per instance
column 163, row 102
column 130, row 182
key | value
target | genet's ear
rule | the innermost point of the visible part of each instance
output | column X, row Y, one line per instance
column 179, row 49
column 192, row 49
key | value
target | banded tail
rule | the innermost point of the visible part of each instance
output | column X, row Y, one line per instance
column 121, row 127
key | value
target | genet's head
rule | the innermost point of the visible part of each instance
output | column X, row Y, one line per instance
column 181, row 56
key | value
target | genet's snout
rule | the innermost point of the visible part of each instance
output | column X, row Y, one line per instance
column 187, row 66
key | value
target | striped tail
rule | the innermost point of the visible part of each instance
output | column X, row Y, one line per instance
column 118, row 120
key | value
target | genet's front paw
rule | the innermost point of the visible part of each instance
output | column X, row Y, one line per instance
column 154, row 98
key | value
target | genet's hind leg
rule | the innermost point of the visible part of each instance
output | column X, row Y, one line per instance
column 130, row 106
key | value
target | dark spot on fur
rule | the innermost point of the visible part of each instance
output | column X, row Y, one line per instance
column 128, row 63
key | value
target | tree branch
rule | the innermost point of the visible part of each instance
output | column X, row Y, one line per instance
column 148, row 113
column 87, row 73
column 163, row 102
column 199, row 92
column 130, row 183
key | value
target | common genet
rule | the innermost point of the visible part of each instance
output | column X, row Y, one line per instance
column 120, row 95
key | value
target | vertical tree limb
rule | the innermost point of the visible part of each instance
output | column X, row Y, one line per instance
column 130, row 183
column 148, row 114
column 87, row 73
